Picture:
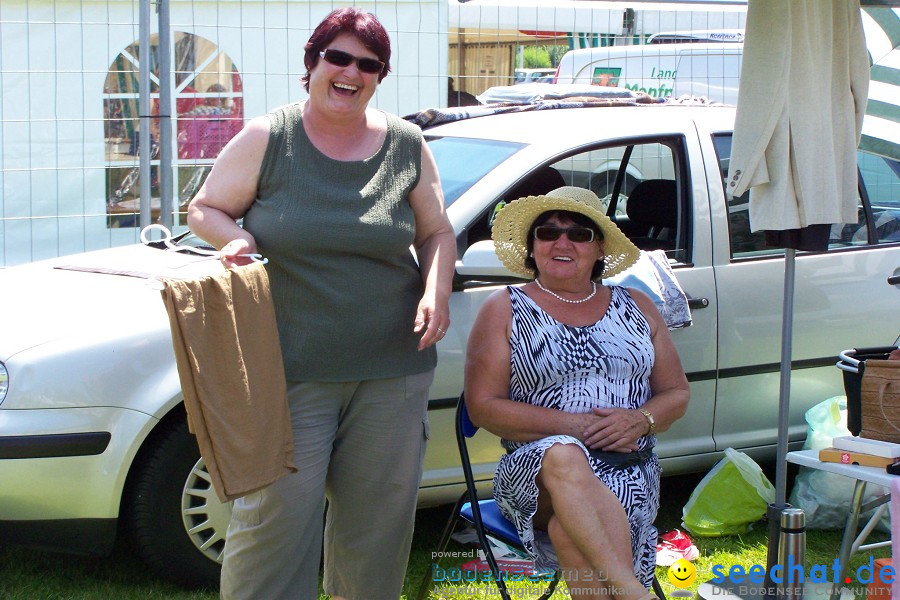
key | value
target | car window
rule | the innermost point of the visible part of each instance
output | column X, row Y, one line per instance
column 462, row 162
column 881, row 182
column 745, row 244
column 646, row 206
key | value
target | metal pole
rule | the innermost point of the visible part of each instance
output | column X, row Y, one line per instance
column 144, row 110
column 859, row 490
column 784, row 400
column 784, row 393
column 165, row 115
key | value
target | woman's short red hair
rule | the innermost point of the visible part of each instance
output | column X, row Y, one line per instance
column 364, row 25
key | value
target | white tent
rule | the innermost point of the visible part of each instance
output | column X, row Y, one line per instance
column 639, row 19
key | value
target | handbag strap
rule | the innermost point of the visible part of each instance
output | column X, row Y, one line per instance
column 881, row 389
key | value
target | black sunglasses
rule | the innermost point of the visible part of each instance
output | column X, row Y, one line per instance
column 578, row 235
column 339, row 58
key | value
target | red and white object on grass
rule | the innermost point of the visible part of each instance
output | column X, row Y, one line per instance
column 674, row 545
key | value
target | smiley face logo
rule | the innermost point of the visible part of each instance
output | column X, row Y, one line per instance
column 682, row 573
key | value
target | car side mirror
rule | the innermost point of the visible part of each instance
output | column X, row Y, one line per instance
column 480, row 266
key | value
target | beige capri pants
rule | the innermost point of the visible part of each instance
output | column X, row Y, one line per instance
column 361, row 444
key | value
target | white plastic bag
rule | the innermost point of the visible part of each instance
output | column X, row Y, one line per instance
column 826, row 497
column 653, row 275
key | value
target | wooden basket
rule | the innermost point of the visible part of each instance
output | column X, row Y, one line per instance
column 880, row 401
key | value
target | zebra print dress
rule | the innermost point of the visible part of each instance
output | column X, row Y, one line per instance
column 575, row 369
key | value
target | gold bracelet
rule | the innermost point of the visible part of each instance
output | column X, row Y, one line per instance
column 649, row 416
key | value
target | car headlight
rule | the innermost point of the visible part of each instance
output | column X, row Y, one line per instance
column 4, row 381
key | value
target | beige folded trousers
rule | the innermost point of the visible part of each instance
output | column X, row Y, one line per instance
column 232, row 377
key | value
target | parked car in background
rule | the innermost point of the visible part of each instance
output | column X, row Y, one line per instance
column 533, row 75
column 93, row 438
column 711, row 70
column 697, row 36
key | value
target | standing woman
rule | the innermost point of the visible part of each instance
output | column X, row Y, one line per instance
column 333, row 193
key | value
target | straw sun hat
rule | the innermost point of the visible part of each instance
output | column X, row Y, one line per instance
column 513, row 221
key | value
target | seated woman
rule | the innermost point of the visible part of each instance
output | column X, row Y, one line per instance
column 577, row 378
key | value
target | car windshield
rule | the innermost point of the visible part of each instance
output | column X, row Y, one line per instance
column 462, row 162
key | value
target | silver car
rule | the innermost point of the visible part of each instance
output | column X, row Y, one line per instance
column 92, row 428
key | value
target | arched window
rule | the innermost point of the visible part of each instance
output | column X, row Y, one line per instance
column 209, row 110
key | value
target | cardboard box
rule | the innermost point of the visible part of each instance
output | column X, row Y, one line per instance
column 866, row 446
column 877, row 589
column 855, row 458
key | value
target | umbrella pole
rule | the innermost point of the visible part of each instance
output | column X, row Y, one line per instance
column 784, row 397
column 784, row 394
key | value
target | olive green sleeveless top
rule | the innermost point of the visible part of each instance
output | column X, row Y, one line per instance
column 337, row 235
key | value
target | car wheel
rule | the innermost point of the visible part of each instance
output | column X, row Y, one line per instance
column 178, row 523
column 602, row 184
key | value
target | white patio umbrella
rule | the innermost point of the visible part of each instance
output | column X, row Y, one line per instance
column 801, row 102
column 881, row 126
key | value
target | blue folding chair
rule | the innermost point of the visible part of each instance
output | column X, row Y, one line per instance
column 485, row 517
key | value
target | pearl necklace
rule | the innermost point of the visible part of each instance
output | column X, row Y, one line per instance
column 566, row 300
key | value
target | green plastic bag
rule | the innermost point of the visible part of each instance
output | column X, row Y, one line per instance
column 734, row 494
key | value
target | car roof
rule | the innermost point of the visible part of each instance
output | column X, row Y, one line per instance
column 698, row 36
column 586, row 124
column 671, row 48
column 524, row 94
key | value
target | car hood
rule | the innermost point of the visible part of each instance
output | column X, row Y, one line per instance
column 90, row 296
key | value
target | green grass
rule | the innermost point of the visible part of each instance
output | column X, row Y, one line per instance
column 33, row 575
column 748, row 549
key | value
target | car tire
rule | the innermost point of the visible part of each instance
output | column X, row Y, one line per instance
column 602, row 184
column 178, row 524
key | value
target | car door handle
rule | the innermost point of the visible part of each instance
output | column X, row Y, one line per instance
column 894, row 280
column 695, row 303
